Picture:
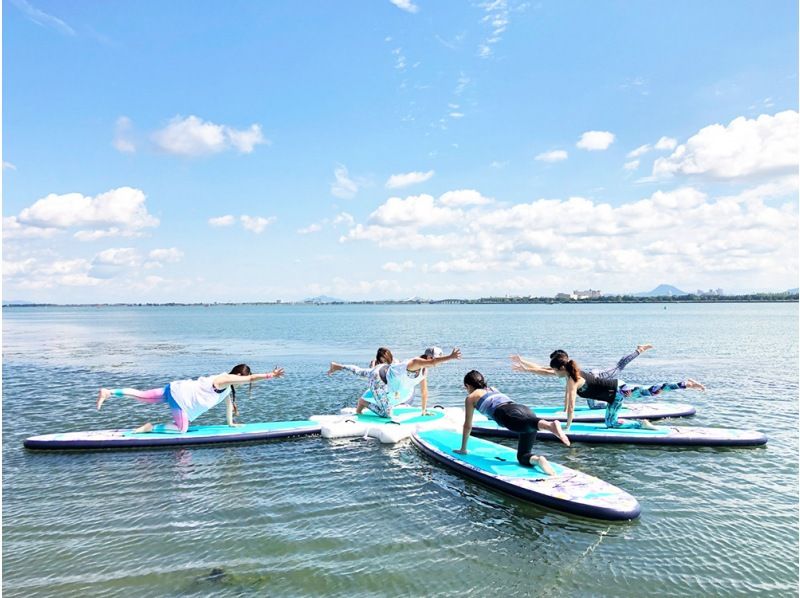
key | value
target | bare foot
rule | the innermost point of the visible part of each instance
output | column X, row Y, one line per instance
column 643, row 348
column 102, row 396
column 560, row 433
column 647, row 425
column 694, row 384
column 148, row 427
column 543, row 465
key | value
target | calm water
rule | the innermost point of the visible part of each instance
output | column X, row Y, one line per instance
column 312, row 517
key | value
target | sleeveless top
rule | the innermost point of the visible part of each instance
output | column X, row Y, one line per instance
column 600, row 389
column 490, row 401
column 196, row 397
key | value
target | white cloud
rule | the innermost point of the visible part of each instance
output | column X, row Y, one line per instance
column 42, row 18
column 123, row 256
column 397, row 181
column 745, row 147
column 595, row 140
column 344, row 218
column 496, row 17
column 463, row 197
column 122, row 133
column 398, row 266
column 632, row 165
column 405, row 5
column 192, row 136
column 122, row 209
column 640, row 151
column 256, row 224
column 456, row 115
column 552, row 156
column 415, row 210
column 311, row 228
column 171, row 254
column 666, row 143
column 12, row 229
column 557, row 237
column 220, row 221
column 8, row 166
column 344, row 187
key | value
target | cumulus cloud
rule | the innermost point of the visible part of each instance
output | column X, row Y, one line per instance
column 192, row 136
column 311, row 228
column 256, row 224
column 552, row 156
column 640, row 151
column 220, row 221
column 122, row 211
column 344, row 218
column 405, row 5
column 463, row 197
column 396, row 181
column 666, row 143
column 745, row 147
column 599, row 242
column 595, row 140
column 8, row 166
column 344, row 187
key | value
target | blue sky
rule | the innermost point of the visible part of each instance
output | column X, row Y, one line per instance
column 253, row 151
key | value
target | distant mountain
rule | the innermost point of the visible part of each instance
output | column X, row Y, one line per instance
column 663, row 290
column 322, row 299
column 17, row 302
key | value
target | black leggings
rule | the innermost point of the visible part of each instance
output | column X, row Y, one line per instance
column 519, row 418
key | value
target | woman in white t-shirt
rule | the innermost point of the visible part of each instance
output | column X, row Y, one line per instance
column 189, row 399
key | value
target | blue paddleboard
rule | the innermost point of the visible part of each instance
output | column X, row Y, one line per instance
column 496, row 466
column 629, row 411
column 126, row 438
column 663, row 435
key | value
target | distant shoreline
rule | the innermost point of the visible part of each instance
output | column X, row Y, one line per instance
column 612, row 299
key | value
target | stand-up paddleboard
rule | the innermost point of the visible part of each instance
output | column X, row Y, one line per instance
column 404, row 422
column 664, row 435
column 632, row 410
column 127, row 438
column 496, row 466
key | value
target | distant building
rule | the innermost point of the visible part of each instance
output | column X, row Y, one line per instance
column 590, row 294
column 578, row 295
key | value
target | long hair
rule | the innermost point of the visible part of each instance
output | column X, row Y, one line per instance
column 562, row 361
column 240, row 370
column 384, row 356
column 475, row 379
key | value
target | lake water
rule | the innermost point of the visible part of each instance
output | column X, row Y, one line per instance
column 312, row 516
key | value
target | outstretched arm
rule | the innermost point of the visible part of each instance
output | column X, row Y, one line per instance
column 569, row 399
column 419, row 362
column 423, row 390
column 520, row 364
column 229, row 413
column 353, row 369
column 224, row 380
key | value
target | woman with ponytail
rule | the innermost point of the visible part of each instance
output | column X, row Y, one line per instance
column 392, row 383
column 189, row 399
column 611, row 391
column 517, row 418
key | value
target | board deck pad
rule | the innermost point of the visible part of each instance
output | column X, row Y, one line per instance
column 160, row 436
column 662, row 435
column 496, row 465
column 632, row 410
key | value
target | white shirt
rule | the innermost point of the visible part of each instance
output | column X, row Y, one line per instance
column 196, row 397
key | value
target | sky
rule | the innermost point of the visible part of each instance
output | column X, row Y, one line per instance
column 201, row 151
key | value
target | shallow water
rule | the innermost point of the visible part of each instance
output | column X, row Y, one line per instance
column 312, row 516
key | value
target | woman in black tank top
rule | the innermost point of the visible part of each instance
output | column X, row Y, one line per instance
column 589, row 386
